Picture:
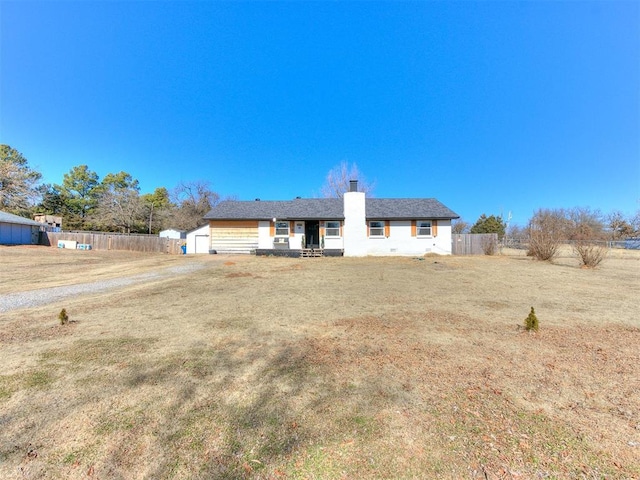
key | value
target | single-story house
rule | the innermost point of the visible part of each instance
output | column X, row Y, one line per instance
column 16, row 230
column 351, row 226
column 198, row 240
column 173, row 233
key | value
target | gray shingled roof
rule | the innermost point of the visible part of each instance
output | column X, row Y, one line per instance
column 298, row 209
column 407, row 208
column 329, row 209
column 6, row 217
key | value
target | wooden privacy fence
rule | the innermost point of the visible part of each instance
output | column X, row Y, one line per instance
column 473, row 243
column 115, row 241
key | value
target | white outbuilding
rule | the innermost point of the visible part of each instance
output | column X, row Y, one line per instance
column 198, row 240
column 173, row 233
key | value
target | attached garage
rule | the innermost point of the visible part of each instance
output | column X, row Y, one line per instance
column 16, row 230
column 234, row 236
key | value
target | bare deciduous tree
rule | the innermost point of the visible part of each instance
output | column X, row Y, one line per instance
column 119, row 206
column 459, row 226
column 584, row 224
column 635, row 223
column 515, row 231
column 337, row 182
column 193, row 201
column 619, row 227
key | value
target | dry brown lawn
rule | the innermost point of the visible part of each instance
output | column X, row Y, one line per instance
column 321, row 368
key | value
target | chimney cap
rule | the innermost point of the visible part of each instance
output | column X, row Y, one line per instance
column 353, row 185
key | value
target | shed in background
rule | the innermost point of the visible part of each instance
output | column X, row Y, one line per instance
column 173, row 233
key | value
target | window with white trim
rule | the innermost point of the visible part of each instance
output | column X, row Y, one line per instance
column 282, row 229
column 423, row 228
column 376, row 228
column 332, row 229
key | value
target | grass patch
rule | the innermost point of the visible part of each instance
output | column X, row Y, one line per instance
column 119, row 420
column 4, row 393
column 38, row 379
column 8, row 385
column 104, row 351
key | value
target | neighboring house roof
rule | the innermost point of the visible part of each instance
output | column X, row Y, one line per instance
column 329, row 209
column 6, row 217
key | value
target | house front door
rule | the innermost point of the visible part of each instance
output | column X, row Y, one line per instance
column 312, row 234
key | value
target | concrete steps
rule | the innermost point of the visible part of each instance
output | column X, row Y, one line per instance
column 311, row 252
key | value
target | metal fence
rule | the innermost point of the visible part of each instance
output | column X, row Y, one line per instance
column 522, row 243
column 628, row 244
column 116, row 241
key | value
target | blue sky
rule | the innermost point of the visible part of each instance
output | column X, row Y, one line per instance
column 491, row 107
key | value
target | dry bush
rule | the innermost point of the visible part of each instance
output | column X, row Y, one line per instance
column 546, row 231
column 549, row 227
column 542, row 245
column 489, row 243
column 590, row 254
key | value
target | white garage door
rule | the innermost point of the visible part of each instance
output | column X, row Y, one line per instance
column 202, row 244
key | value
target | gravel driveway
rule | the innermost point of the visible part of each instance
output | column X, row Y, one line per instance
column 43, row 296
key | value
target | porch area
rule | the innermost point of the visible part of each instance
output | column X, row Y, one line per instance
column 300, row 253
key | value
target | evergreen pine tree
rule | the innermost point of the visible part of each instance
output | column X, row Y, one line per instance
column 531, row 322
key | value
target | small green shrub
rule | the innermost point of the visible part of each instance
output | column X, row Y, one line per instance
column 531, row 322
column 63, row 317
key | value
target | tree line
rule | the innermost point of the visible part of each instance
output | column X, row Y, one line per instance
column 111, row 204
column 114, row 204
column 564, row 224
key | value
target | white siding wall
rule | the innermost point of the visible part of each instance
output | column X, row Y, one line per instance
column 334, row 243
column 196, row 240
column 355, row 241
column 400, row 241
column 264, row 239
column 295, row 242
